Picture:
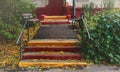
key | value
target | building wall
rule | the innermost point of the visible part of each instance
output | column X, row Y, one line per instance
column 49, row 7
column 43, row 6
column 40, row 3
column 98, row 3
column 79, row 3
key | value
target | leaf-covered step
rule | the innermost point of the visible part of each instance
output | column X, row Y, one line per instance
column 52, row 48
column 51, row 55
column 53, row 42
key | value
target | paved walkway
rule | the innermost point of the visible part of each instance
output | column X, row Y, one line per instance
column 92, row 68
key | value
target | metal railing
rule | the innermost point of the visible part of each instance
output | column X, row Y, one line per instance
column 19, row 40
column 86, row 26
column 26, row 24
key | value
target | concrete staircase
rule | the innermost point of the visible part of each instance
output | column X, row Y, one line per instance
column 51, row 53
column 53, row 45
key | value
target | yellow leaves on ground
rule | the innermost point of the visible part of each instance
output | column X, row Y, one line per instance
column 9, row 55
column 9, row 52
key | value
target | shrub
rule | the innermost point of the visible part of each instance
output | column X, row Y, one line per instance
column 10, row 17
column 104, row 45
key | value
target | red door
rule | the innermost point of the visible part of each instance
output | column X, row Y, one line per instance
column 55, row 7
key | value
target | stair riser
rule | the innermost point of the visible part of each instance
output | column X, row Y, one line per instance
column 51, row 49
column 53, row 57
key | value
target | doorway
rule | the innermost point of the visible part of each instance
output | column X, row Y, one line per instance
column 55, row 7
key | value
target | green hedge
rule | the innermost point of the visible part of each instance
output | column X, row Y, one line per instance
column 104, row 45
column 10, row 17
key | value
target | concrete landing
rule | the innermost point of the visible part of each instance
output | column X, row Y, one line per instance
column 55, row 32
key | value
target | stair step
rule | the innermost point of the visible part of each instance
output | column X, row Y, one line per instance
column 52, row 48
column 55, row 23
column 51, row 55
column 53, row 42
column 48, row 60
column 55, row 20
column 51, row 64
column 55, row 17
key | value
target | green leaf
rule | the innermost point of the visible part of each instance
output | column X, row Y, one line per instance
column 110, row 55
column 118, row 56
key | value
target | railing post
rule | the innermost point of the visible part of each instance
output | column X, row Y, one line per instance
column 86, row 27
column 21, row 48
column 27, row 16
column 74, row 8
column 28, row 30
